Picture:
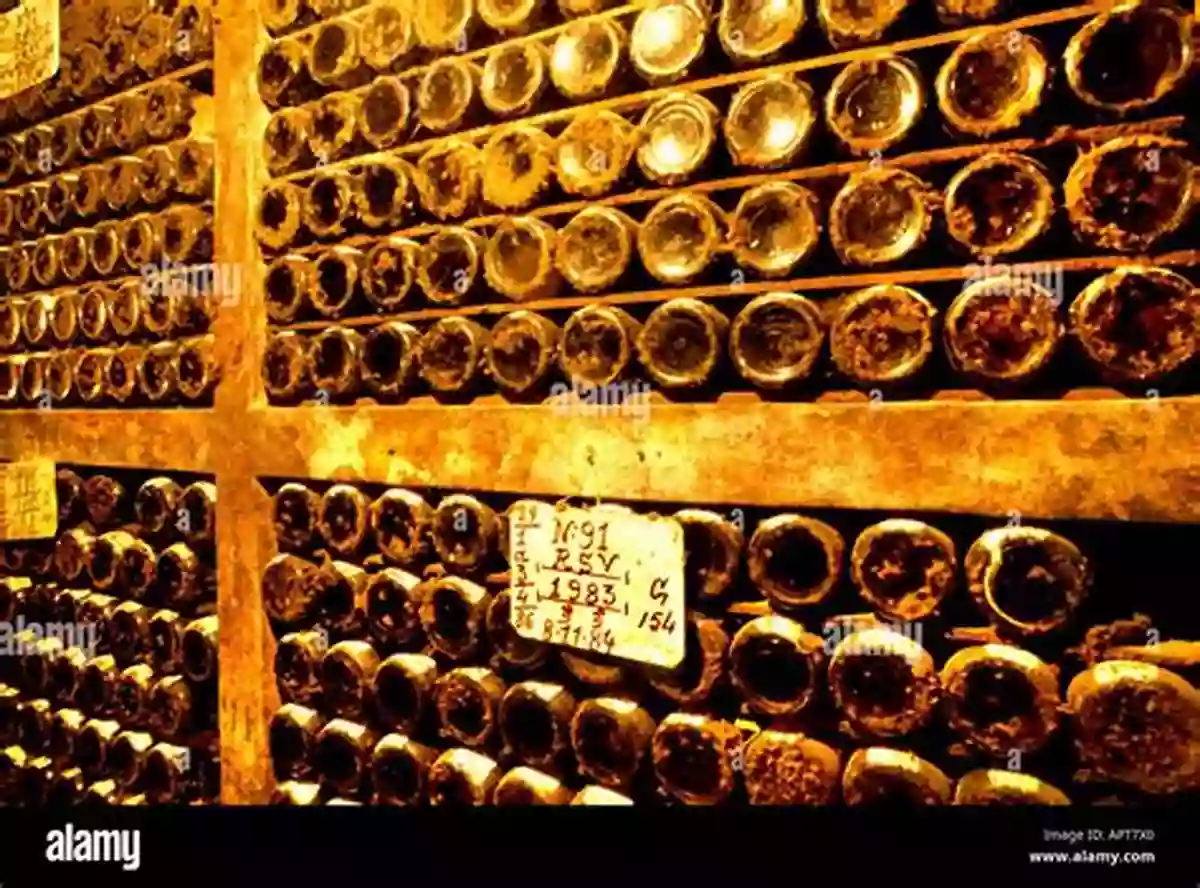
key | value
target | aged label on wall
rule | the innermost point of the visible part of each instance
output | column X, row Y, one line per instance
column 28, row 501
column 29, row 44
column 600, row 580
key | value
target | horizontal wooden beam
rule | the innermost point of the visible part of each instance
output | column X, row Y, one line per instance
column 1121, row 458
column 182, row 439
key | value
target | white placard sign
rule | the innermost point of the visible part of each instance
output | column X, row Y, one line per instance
column 598, row 579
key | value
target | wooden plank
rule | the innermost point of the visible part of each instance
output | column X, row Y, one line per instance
column 1121, row 458
column 248, row 694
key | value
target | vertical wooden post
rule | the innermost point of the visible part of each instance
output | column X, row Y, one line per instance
column 248, row 692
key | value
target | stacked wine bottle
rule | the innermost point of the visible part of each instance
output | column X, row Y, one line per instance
column 693, row 234
column 109, row 691
column 811, row 671
column 106, row 234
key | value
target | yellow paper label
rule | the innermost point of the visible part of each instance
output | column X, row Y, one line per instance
column 599, row 580
column 28, row 501
column 29, row 44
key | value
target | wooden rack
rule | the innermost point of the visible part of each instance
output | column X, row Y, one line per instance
column 1080, row 457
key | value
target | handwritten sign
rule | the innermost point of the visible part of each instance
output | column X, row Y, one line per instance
column 601, row 579
column 28, row 501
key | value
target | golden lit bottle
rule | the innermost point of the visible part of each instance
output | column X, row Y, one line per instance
column 448, row 178
column 332, row 126
column 776, row 665
column 400, row 770
column 1130, row 56
column 403, row 690
column 883, row 681
column 882, row 334
column 347, row 675
column 342, row 756
column 336, row 273
column 1128, row 193
column 593, row 152
column 774, row 228
column 521, row 351
column 400, row 522
column 513, row 649
column 384, row 193
column 333, row 361
column 999, row 203
column 343, row 519
column 333, row 56
column 586, row 57
column 679, row 237
column 682, row 343
column 516, row 166
column 880, row 215
column 1137, row 323
column 594, row 249
column 280, row 213
column 751, row 32
column 846, row 23
column 384, row 112
column 1000, row 698
column 1027, row 579
column 598, row 344
column 454, row 614
column 518, row 260
column 713, row 550
column 903, row 568
column 330, row 203
column 795, row 560
column 447, row 94
column 535, row 722
column 668, row 39
column 462, row 778
column 881, row 776
column 527, row 786
column 610, row 737
column 962, row 12
column 992, row 82
column 694, row 757
column 873, row 104
column 468, row 705
column 994, row 786
column 676, row 137
column 514, row 78
column 389, row 358
column 448, row 265
column 702, row 669
column 783, row 768
column 444, row 26
column 465, row 532
column 1003, row 330
column 452, row 354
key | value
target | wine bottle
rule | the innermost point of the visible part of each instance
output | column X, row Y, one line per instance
column 333, row 361
column 694, row 757
column 96, row 690
column 343, row 519
column 292, row 737
column 127, row 632
column 169, row 774
column 296, row 793
column 127, row 757
column 753, row 34
column 462, row 778
column 334, row 59
column 33, row 724
column 330, row 206
column 35, row 781
column 992, row 82
column 400, row 769
column 18, row 267
column 285, row 142
column 447, row 94
column 107, row 553
column 1000, row 698
column 297, row 664
column 448, row 265
column 713, row 550
column 1135, row 724
column 598, row 343
column 513, row 649
column 679, row 237
column 775, row 227
column 517, row 167
column 104, row 499
column 102, row 793
column 882, row 335
column 45, row 261
column 881, row 776
column 400, row 521
column 347, row 676
column 698, row 674
column 514, row 78
column 527, row 786
column 521, row 351
column 287, row 283
column 682, row 343
column 903, row 568
column 594, row 249
column 1026, row 579
column 283, row 75
column 92, row 745
column 1131, row 57
column 468, row 702
column 333, row 127
column 187, row 236
column 165, row 632
column 776, row 665
column 772, row 759
column 155, row 505
column 289, row 589
column 133, row 694
column 384, row 193
column 465, row 532
column 65, row 727
column 280, row 214
column 849, row 24
column 403, row 688
column 66, row 674
column 1128, row 193
column 668, row 40
column 199, row 374
column 295, row 516
column 393, row 606
column 795, row 560
column 535, row 722
column 342, row 596
column 452, row 353
column 182, row 579
column 343, row 755
column 999, row 203
column 586, row 57
column 880, row 215
column 598, row 795
column 389, row 271
column 593, row 152
column 285, row 370
column 172, row 708
column 993, row 786
column 1135, row 323
column 883, row 681
column 72, row 554
column 610, row 737
column 448, row 178
column 962, row 12
column 389, row 358
column 200, row 648
column 281, row 15
column 518, row 261
column 770, row 121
